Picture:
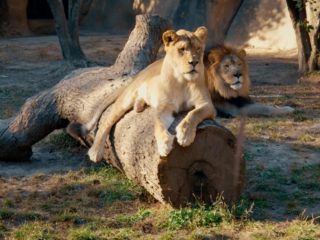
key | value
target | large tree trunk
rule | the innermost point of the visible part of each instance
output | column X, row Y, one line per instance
column 308, row 40
column 216, row 15
column 313, row 11
column 220, row 14
column 203, row 170
column 68, row 30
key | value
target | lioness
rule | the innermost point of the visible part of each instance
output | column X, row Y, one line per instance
column 229, row 85
column 170, row 85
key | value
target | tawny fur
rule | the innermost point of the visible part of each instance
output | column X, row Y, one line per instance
column 170, row 85
column 218, row 82
column 229, row 85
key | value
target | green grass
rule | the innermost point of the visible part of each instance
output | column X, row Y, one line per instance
column 208, row 216
column 82, row 233
column 21, row 216
column 8, row 203
column 5, row 214
column 34, row 231
column 119, row 188
column 3, row 230
column 100, row 203
column 300, row 116
column 63, row 140
column 71, row 217
column 140, row 215
column 194, row 217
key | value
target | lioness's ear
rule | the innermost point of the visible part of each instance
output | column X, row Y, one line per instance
column 201, row 33
column 168, row 37
column 242, row 53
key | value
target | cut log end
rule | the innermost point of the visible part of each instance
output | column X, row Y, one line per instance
column 203, row 170
column 200, row 172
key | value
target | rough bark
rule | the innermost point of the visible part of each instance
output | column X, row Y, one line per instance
column 308, row 41
column 68, row 30
column 203, row 170
column 314, row 17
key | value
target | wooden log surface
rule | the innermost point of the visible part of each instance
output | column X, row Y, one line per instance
column 201, row 171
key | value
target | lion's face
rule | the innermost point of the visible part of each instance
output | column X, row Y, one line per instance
column 231, row 68
column 184, row 52
column 227, row 72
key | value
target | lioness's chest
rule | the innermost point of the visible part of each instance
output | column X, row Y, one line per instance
column 177, row 98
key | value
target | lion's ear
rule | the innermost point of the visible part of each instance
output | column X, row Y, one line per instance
column 242, row 53
column 212, row 58
column 216, row 54
column 168, row 37
column 201, row 33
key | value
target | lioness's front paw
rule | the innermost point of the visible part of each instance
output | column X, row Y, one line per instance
column 95, row 155
column 165, row 145
column 185, row 134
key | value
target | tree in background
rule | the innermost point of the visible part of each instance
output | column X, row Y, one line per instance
column 305, row 15
column 13, row 18
column 216, row 15
column 68, row 29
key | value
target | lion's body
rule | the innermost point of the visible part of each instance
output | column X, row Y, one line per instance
column 173, row 84
column 229, row 85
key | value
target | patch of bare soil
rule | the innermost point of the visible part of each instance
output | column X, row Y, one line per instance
column 282, row 154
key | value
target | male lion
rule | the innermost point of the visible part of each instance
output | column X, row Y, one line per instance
column 170, row 85
column 229, row 85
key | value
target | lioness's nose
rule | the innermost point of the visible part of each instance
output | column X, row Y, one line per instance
column 237, row 75
column 193, row 62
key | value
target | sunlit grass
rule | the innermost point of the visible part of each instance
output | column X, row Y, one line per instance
column 34, row 231
column 100, row 203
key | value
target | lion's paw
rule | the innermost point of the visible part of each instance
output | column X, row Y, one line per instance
column 185, row 134
column 165, row 145
column 95, row 155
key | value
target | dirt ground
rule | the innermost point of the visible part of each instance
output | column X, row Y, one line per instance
column 282, row 154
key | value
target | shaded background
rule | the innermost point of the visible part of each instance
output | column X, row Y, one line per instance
column 258, row 23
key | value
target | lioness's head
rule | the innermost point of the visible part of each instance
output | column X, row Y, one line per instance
column 184, row 52
column 228, row 72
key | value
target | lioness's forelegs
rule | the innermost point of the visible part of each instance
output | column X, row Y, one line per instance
column 118, row 109
column 163, row 119
column 186, row 130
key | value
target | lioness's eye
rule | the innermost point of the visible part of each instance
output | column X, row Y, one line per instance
column 182, row 49
column 226, row 65
column 198, row 49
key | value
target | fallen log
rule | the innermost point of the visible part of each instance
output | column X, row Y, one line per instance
column 201, row 171
column 196, row 173
column 76, row 97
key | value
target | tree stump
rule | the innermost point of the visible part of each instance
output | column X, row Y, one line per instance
column 201, row 171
